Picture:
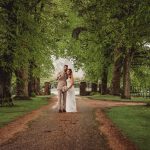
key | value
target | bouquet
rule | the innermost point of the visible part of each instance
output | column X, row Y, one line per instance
column 65, row 88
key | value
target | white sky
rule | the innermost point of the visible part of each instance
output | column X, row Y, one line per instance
column 59, row 64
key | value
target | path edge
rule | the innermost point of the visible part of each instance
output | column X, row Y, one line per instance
column 21, row 123
column 115, row 138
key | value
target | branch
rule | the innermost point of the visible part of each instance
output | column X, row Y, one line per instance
column 76, row 32
column 34, row 5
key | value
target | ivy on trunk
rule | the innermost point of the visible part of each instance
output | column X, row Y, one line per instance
column 126, row 93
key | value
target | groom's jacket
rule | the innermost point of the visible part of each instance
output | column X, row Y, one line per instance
column 61, row 77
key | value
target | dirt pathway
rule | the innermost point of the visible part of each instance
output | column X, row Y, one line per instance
column 115, row 139
column 66, row 131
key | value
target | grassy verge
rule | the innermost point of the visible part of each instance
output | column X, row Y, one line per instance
column 8, row 114
column 117, row 98
column 134, row 122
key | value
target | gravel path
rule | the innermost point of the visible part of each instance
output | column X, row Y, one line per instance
column 60, row 131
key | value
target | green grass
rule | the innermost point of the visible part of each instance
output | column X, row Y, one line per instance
column 22, row 107
column 134, row 122
column 117, row 98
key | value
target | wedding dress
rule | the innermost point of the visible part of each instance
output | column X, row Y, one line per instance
column 70, row 99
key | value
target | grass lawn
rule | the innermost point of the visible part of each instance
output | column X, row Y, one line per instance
column 117, row 98
column 134, row 122
column 8, row 114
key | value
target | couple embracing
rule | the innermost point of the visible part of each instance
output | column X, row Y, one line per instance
column 66, row 92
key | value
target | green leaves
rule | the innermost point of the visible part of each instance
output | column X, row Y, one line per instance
column 36, row 30
column 110, row 25
column 32, row 32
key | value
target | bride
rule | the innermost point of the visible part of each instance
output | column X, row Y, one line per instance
column 70, row 99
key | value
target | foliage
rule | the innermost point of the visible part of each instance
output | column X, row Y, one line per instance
column 140, row 76
column 32, row 31
column 33, row 94
column 110, row 25
column 36, row 31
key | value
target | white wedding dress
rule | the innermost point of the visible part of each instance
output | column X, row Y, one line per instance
column 70, row 99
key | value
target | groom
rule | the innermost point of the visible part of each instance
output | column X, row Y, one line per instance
column 62, row 77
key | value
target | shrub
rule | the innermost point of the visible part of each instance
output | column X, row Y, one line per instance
column 94, row 93
column 33, row 94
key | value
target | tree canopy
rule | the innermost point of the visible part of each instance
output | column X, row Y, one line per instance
column 109, row 40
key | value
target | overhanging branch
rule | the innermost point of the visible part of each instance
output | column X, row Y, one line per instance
column 76, row 32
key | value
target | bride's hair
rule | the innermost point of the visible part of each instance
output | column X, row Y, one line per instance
column 71, row 74
column 70, row 71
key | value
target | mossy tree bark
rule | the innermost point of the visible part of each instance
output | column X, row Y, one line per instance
column 126, row 93
column 117, row 68
column 5, row 87
column 22, row 84
column 104, row 80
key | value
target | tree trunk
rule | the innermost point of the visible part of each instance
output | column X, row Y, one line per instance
column 83, row 86
column 34, row 86
column 99, row 87
column 115, row 85
column 22, row 84
column 37, row 86
column 32, row 80
column 104, row 80
column 47, row 88
column 31, row 86
column 126, row 76
column 5, row 87
column 8, row 56
column 94, row 87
